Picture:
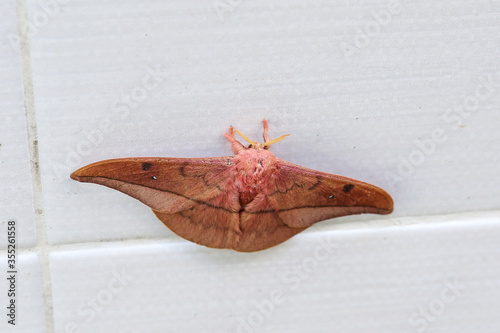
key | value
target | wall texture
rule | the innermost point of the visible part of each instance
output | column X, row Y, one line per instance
column 401, row 94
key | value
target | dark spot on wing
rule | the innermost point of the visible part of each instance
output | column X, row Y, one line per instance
column 181, row 169
column 146, row 166
column 348, row 188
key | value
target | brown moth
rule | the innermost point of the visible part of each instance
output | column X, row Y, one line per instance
column 247, row 202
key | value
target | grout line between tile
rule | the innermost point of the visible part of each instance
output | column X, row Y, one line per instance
column 42, row 245
column 428, row 221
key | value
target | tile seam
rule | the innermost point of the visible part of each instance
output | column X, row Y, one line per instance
column 455, row 217
column 42, row 246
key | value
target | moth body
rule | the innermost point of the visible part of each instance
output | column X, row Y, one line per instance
column 253, row 172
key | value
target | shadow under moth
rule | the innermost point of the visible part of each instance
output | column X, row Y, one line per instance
column 247, row 202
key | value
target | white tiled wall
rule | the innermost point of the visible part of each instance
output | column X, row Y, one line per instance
column 16, row 191
column 30, row 313
column 402, row 94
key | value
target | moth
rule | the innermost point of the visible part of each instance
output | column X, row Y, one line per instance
column 247, row 202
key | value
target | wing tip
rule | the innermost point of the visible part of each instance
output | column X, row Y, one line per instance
column 388, row 206
column 75, row 176
column 90, row 171
column 80, row 175
column 385, row 211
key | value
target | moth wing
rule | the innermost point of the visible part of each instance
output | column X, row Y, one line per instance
column 301, row 197
column 263, row 230
column 195, row 198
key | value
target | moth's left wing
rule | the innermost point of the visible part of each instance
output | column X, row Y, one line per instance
column 167, row 185
column 196, row 198
column 301, row 197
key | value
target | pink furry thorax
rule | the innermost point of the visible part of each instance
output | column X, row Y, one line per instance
column 254, row 170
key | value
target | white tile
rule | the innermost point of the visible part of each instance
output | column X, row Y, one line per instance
column 29, row 303
column 16, row 191
column 358, row 114
column 357, row 105
column 385, row 280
